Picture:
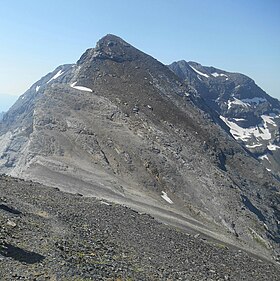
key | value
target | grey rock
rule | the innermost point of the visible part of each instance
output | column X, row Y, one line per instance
column 71, row 130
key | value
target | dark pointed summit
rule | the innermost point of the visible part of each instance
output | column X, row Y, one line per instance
column 111, row 47
column 111, row 39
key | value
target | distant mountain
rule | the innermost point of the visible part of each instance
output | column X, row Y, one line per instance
column 122, row 126
column 252, row 116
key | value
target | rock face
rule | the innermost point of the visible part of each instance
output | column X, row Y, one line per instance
column 120, row 125
column 252, row 116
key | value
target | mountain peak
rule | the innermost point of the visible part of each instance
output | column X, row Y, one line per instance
column 110, row 47
column 111, row 39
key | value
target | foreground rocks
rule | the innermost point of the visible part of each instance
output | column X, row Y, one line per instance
column 46, row 234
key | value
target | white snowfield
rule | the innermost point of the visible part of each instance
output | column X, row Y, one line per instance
column 59, row 73
column 81, row 88
column 264, row 157
column 239, row 119
column 215, row 74
column 200, row 73
column 237, row 102
column 166, row 198
column 273, row 146
column 246, row 133
column 37, row 88
column 246, row 102
column 268, row 119
column 253, row 145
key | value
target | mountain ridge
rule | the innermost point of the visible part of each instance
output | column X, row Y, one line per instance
column 121, row 126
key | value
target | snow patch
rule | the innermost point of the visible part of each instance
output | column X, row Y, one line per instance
column 81, row 88
column 237, row 102
column 166, row 198
column 215, row 74
column 60, row 72
column 264, row 157
column 246, row 133
column 273, row 147
column 37, row 88
column 268, row 119
column 239, row 119
column 254, row 145
column 200, row 73
column 105, row 203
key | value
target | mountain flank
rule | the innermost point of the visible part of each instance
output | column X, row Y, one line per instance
column 120, row 126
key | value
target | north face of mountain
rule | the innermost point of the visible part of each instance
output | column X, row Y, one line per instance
column 252, row 116
column 120, row 125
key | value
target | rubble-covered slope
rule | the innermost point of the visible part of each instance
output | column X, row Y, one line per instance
column 120, row 125
column 46, row 234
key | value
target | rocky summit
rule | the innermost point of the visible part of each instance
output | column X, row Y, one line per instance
column 122, row 127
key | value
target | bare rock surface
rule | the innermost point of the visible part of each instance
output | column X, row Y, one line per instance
column 121, row 126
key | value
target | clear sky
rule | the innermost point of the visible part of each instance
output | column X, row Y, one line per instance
column 235, row 35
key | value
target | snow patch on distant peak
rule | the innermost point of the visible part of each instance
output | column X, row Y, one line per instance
column 268, row 119
column 166, row 198
column 264, row 157
column 239, row 119
column 81, row 88
column 273, row 146
column 200, row 73
column 259, row 132
column 37, row 88
column 236, row 102
column 215, row 74
column 59, row 73
column 253, row 145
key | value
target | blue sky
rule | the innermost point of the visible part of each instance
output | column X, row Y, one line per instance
column 235, row 35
